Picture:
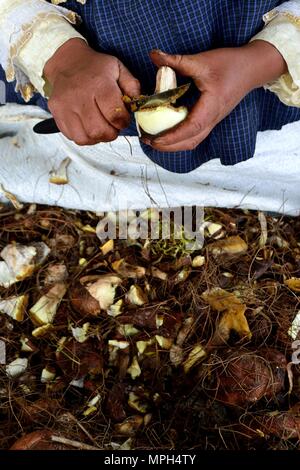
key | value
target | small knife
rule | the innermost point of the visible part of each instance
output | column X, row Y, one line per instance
column 49, row 126
column 166, row 97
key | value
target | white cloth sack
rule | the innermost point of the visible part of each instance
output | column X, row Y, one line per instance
column 119, row 176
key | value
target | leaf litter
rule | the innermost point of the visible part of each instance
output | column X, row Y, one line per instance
column 146, row 344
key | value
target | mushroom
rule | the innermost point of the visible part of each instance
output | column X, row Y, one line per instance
column 161, row 117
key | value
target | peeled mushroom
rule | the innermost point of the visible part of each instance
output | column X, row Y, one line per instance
column 162, row 117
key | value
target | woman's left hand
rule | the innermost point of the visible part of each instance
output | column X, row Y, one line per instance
column 224, row 77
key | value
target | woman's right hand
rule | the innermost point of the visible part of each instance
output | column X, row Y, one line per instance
column 87, row 89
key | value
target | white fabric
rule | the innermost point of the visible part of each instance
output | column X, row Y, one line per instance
column 57, row 2
column 269, row 181
column 283, row 31
column 18, row 20
column 291, row 7
column 48, row 36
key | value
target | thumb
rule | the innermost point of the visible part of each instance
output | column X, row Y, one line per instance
column 128, row 84
column 183, row 64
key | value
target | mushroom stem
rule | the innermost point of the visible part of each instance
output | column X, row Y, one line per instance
column 157, row 119
column 165, row 79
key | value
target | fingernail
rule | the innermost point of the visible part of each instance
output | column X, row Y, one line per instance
column 158, row 51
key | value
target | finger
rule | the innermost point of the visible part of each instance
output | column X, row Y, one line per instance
column 128, row 84
column 63, row 128
column 110, row 103
column 96, row 126
column 71, row 126
column 183, row 64
column 188, row 144
column 201, row 119
column 67, row 121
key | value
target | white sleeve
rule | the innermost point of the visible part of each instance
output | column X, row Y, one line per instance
column 30, row 33
column 282, row 29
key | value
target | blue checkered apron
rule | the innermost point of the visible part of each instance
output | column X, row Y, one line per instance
column 129, row 29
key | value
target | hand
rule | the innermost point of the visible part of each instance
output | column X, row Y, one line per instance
column 87, row 88
column 224, row 77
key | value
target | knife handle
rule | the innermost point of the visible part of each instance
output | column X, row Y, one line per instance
column 48, row 126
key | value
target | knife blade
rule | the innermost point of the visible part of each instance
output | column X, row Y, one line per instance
column 48, row 126
column 166, row 97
